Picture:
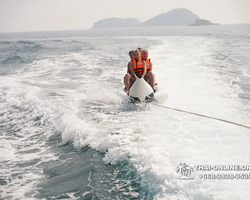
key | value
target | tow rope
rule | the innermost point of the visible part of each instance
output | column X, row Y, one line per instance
column 205, row 116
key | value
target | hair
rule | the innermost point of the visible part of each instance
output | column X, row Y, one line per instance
column 138, row 51
column 131, row 52
column 145, row 50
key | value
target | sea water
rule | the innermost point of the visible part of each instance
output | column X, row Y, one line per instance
column 66, row 131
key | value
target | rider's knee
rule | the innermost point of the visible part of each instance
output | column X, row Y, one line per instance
column 151, row 74
column 127, row 75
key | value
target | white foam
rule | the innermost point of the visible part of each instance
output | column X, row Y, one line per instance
column 21, row 105
column 96, row 93
column 157, row 140
column 153, row 140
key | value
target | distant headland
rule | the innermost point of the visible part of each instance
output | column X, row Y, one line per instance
column 117, row 23
column 176, row 17
column 202, row 22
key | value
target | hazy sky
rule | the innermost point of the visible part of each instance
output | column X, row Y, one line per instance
column 43, row 15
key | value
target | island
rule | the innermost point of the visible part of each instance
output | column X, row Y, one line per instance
column 202, row 22
column 116, row 23
column 175, row 17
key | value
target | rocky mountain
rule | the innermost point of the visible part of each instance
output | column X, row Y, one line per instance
column 202, row 22
column 116, row 23
column 176, row 17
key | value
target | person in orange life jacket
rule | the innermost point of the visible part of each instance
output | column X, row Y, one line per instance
column 149, row 77
column 131, row 58
column 136, row 67
column 128, row 74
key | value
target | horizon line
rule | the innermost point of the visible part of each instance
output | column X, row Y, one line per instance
column 62, row 30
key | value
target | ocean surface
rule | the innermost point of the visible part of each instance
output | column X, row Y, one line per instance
column 66, row 132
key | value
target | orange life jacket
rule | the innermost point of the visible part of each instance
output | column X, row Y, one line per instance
column 138, row 66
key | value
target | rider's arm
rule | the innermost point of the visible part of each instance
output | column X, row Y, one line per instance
column 144, row 69
column 150, row 67
column 131, row 67
column 128, row 69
